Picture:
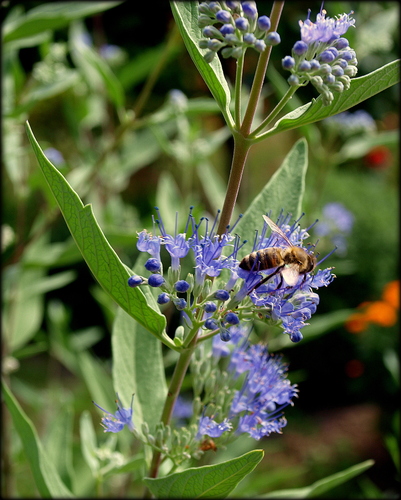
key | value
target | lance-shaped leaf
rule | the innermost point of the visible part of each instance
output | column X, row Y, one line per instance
column 186, row 17
column 284, row 191
column 102, row 260
column 44, row 472
column 210, row 481
column 361, row 88
column 320, row 487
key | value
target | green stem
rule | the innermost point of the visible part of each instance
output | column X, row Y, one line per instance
column 241, row 149
column 172, row 394
column 290, row 92
column 238, row 91
column 260, row 73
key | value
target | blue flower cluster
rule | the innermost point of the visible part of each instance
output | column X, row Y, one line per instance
column 256, row 407
column 336, row 223
column 350, row 123
column 322, row 56
column 241, row 28
column 234, row 295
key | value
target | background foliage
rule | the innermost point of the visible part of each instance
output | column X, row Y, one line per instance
column 79, row 76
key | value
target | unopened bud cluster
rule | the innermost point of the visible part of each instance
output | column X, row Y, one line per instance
column 241, row 27
column 322, row 57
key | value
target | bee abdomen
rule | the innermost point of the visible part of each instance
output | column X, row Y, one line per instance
column 266, row 258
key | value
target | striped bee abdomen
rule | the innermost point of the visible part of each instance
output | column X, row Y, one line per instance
column 267, row 258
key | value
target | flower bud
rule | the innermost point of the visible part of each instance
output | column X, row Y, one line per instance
column 163, row 298
column 250, row 38
column 337, row 70
column 293, row 80
column 181, row 286
column 203, row 43
column 134, row 281
column 211, row 324
column 204, row 20
column 210, row 307
column 273, row 38
column 264, row 23
column 350, row 71
column 231, row 318
column 300, row 48
column 225, row 335
column 326, row 56
column 250, row 9
column 153, row 265
column 296, row 337
column 242, row 24
column 212, row 32
column 304, row 66
column 329, row 79
column 337, row 87
column 224, row 16
column 156, row 280
column 180, row 304
column 222, row 295
column 341, row 43
column 260, row 45
column 226, row 52
column 325, row 69
column 227, row 29
column 209, row 56
column 288, row 62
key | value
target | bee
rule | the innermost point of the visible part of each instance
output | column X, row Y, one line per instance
column 208, row 444
column 290, row 262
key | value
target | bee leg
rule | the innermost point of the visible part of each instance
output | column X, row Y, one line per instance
column 267, row 278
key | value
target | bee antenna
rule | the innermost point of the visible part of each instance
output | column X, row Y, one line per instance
column 328, row 255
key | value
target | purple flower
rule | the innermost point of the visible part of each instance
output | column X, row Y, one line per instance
column 325, row 29
column 116, row 422
column 148, row 243
column 209, row 427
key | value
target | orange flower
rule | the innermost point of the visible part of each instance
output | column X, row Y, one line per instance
column 382, row 313
column 356, row 323
column 391, row 293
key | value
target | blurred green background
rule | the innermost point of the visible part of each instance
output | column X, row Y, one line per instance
column 96, row 88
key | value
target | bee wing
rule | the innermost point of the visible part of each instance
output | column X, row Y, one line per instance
column 290, row 275
column 274, row 227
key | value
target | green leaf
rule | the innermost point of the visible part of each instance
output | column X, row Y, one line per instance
column 138, row 366
column 93, row 65
column 44, row 472
column 186, row 17
column 60, row 437
column 50, row 16
column 210, row 481
column 88, row 442
column 323, row 485
column 361, row 89
column 284, row 191
column 96, row 378
column 102, row 260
